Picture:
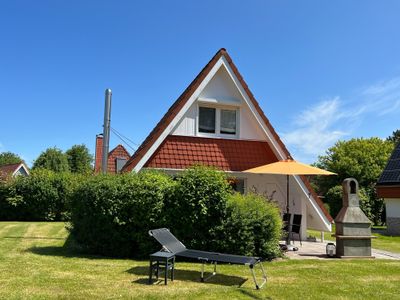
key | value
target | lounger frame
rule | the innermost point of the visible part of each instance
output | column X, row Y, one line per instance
column 171, row 244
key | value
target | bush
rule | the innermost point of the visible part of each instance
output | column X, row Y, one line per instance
column 42, row 196
column 198, row 206
column 111, row 215
column 252, row 227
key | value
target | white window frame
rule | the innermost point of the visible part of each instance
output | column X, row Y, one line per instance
column 218, row 133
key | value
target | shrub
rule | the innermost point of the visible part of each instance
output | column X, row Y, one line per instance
column 111, row 215
column 198, row 206
column 252, row 227
column 42, row 196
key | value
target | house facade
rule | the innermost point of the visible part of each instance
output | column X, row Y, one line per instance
column 388, row 187
column 218, row 122
column 117, row 157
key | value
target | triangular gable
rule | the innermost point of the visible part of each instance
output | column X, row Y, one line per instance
column 193, row 91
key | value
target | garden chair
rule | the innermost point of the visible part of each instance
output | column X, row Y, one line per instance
column 296, row 227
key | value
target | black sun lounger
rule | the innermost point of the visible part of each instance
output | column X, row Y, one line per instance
column 171, row 244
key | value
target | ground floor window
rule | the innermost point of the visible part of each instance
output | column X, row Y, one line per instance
column 237, row 184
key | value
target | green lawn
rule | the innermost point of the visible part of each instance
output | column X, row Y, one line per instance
column 382, row 241
column 34, row 263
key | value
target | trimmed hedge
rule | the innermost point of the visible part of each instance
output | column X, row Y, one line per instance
column 111, row 215
column 252, row 226
column 198, row 206
column 42, row 196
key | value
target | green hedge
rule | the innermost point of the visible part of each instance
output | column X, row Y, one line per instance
column 42, row 196
column 111, row 215
column 198, row 206
column 252, row 227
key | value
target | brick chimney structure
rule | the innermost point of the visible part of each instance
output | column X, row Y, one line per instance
column 98, row 153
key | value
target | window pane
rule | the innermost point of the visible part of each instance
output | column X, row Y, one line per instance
column 207, row 119
column 228, row 121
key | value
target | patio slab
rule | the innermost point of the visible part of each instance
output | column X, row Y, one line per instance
column 317, row 250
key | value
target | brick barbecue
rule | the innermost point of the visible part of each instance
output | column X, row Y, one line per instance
column 353, row 228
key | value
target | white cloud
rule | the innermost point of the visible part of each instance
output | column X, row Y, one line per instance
column 315, row 130
column 318, row 127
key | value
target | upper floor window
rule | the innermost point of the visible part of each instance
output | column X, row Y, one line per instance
column 207, row 119
column 228, row 121
column 217, row 120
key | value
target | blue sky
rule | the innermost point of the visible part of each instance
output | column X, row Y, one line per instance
column 321, row 70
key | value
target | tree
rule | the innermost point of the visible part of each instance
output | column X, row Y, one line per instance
column 8, row 158
column 52, row 159
column 395, row 137
column 79, row 159
column 362, row 159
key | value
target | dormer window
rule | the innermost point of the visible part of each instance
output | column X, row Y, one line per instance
column 219, row 121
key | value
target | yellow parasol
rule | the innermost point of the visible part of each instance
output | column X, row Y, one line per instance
column 288, row 167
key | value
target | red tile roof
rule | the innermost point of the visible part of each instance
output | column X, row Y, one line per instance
column 8, row 170
column 180, row 152
column 117, row 152
column 181, row 101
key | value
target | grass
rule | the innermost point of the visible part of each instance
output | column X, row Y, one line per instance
column 35, row 263
column 381, row 242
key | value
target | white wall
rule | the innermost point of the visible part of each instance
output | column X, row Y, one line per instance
column 187, row 124
column 392, row 207
column 221, row 92
column 275, row 185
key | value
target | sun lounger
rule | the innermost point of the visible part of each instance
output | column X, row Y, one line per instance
column 171, row 244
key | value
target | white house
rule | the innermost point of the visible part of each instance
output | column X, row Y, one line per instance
column 388, row 187
column 218, row 122
column 13, row 170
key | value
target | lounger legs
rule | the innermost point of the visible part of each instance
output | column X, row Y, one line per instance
column 264, row 275
column 211, row 275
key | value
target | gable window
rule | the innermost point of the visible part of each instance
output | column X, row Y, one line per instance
column 228, row 121
column 207, row 119
column 219, row 121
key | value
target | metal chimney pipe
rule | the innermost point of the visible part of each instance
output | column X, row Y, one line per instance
column 106, row 130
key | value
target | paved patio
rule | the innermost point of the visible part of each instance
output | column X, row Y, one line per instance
column 317, row 250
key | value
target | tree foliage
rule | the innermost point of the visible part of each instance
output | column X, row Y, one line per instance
column 362, row 159
column 395, row 137
column 8, row 158
column 79, row 159
column 52, row 159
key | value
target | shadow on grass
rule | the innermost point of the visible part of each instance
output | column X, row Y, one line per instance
column 188, row 275
column 32, row 237
column 70, row 250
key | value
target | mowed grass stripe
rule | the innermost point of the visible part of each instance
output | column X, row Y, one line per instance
column 11, row 234
column 42, row 268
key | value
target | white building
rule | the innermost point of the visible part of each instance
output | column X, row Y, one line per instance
column 218, row 122
column 388, row 187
